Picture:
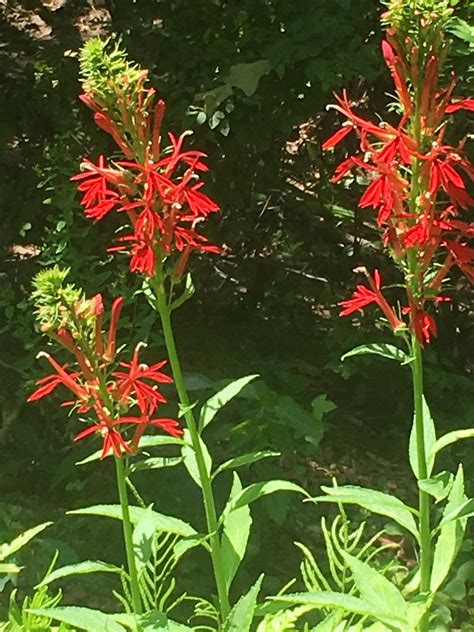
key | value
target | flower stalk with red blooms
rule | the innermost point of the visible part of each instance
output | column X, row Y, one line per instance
column 120, row 398
column 418, row 188
column 159, row 192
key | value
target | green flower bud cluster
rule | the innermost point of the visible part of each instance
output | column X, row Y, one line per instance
column 106, row 71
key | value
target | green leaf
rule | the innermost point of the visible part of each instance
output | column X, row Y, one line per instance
column 437, row 486
column 235, row 534
column 189, row 457
column 83, row 618
column 152, row 621
column 321, row 405
column 451, row 534
column 374, row 501
column 465, row 510
column 10, row 568
column 155, row 463
column 147, row 441
column 241, row 616
column 82, row 568
column 448, row 439
column 376, row 589
column 247, row 76
column 188, row 291
column 220, row 399
column 19, row 542
column 381, row 349
column 348, row 603
column 244, row 459
column 168, row 524
column 143, row 535
column 258, row 490
column 430, row 440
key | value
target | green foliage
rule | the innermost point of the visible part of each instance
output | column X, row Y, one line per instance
column 374, row 501
column 104, row 69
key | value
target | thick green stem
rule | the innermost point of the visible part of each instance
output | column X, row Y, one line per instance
column 206, row 485
column 127, row 535
column 424, row 499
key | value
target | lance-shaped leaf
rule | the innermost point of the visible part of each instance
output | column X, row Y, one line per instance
column 258, row 490
column 376, row 589
column 220, row 399
column 348, row 603
column 82, row 618
column 374, row 501
column 244, row 459
column 81, row 568
column 429, row 441
column 241, row 616
column 162, row 521
column 143, row 535
column 189, row 457
column 235, row 534
column 381, row 349
column 19, row 542
column 449, row 439
column 451, row 535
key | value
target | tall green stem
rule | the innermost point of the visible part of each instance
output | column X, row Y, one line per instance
column 416, row 288
column 206, row 485
column 127, row 534
column 424, row 499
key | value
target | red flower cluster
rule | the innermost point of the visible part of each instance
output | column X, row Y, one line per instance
column 417, row 186
column 109, row 394
column 161, row 195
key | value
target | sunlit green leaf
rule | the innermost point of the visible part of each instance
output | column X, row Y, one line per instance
column 374, row 501
column 189, row 457
column 220, row 399
column 81, row 568
column 83, row 618
column 381, row 349
column 429, row 440
column 258, row 490
column 241, row 616
column 235, row 534
column 451, row 534
column 19, row 542
column 164, row 523
column 245, row 459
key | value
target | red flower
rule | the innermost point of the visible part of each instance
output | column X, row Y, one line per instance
column 364, row 296
column 131, row 383
column 462, row 104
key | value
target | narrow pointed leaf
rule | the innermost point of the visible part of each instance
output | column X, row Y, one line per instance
column 147, row 441
column 235, row 534
column 374, row 501
column 220, row 399
column 245, row 459
column 451, row 535
column 376, row 589
column 19, row 542
column 381, row 349
column 142, row 538
column 430, row 440
column 82, row 568
column 348, row 603
column 449, row 439
column 258, row 490
column 82, row 618
column 189, row 458
column 165, row 523
column 241, row 616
